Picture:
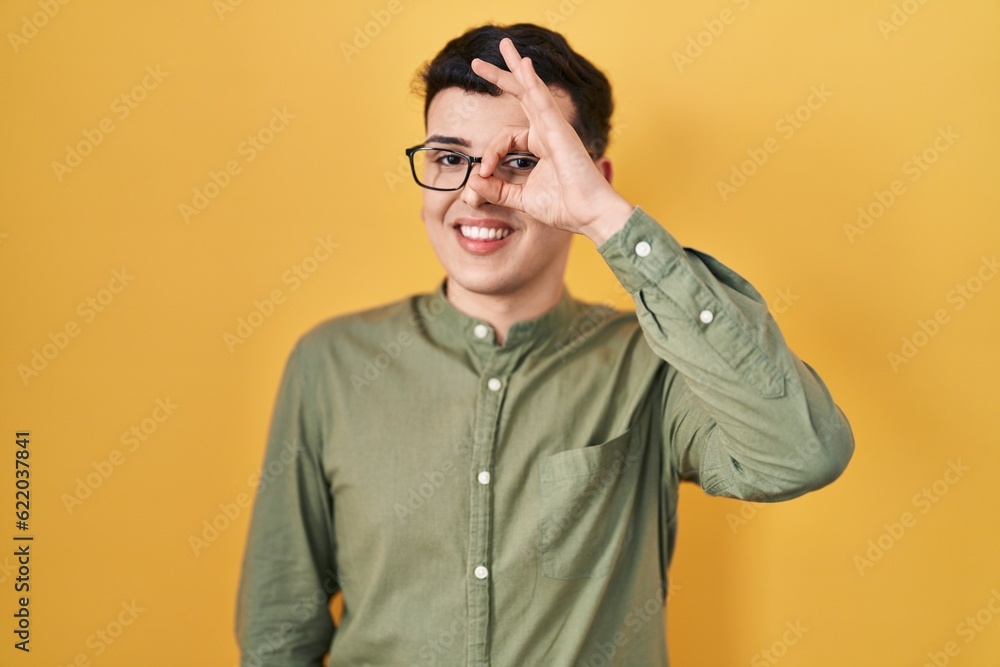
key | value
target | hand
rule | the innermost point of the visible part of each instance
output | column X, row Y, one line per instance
column 565, row 189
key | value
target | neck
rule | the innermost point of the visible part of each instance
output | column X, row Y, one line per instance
column 504, row 310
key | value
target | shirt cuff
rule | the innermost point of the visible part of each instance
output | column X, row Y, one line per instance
column 630, row 251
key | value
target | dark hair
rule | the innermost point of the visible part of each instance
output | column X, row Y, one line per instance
column 555, row 62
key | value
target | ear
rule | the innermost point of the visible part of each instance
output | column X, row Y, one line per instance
column 604, row 164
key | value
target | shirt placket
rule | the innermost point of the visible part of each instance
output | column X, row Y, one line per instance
column 492, row 389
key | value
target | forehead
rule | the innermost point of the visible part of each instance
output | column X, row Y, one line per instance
column 477, row 117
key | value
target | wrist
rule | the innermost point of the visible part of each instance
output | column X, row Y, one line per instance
column 611, row 217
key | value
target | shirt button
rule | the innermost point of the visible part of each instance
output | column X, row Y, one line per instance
column 642, row 248
column 706, row 316
column 481, row 330
column 484, row 477
column 481, row 572
column 494, row 384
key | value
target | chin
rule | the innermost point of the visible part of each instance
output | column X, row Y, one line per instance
column 482, row 283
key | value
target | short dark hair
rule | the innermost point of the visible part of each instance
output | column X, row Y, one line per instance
column 555, row 62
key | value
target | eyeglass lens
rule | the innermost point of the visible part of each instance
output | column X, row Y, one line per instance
column 444, row 169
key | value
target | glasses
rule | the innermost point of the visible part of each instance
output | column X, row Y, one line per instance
column 446, row 170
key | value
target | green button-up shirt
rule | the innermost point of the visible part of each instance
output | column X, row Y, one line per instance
column 515, row 505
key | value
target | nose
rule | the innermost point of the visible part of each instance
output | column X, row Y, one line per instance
column 470, row 196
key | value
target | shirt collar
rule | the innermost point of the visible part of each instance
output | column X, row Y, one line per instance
column 449, row 326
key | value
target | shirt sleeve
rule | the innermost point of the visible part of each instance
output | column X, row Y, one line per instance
column 288, row 574
column 743, row 416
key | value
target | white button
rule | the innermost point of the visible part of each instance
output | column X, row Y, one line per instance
column 706, row 316
column 494, row 384
column 481, row 331
column 642, row 248
column 484, row 477
column 481, row 572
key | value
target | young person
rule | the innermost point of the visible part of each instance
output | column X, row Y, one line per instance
column 489, row 471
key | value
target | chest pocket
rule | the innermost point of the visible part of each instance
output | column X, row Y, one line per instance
column 587, row 496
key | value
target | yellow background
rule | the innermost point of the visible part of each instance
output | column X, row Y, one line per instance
column 844, row 301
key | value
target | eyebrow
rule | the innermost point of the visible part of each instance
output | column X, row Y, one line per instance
column 454, row 141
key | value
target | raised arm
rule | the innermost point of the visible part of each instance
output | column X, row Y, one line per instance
column 743, row 415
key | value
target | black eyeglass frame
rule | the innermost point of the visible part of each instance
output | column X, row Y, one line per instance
column 469, row 159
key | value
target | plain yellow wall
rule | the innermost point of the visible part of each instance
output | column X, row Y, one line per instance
column 155, row 97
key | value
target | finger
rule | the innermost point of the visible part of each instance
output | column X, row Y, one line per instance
column 537, row 99
column 523, row 70
column 496, row 191
column 510, row 138
column 506, row 81
column 510, row 54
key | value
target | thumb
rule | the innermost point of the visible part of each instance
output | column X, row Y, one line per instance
column 496, row 191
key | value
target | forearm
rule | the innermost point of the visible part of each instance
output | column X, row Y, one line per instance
column 762, row 424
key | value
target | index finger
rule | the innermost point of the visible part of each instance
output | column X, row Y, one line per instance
column 506, row 81
column 521, row 81
column 510, row 54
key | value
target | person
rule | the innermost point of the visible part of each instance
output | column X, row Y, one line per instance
column 488, row 472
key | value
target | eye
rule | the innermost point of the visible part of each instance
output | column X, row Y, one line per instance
column 450, row 160
column 520, row 162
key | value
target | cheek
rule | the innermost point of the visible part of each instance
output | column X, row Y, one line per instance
column 434, row 207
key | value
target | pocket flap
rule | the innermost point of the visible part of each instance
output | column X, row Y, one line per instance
column 584, row 461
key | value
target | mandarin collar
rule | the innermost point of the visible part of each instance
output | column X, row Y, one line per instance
column 451, row 327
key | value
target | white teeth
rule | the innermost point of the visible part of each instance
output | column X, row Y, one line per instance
column 471, row 232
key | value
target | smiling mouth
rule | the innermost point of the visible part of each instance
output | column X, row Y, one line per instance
column 485, row 238
column 484, row 233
